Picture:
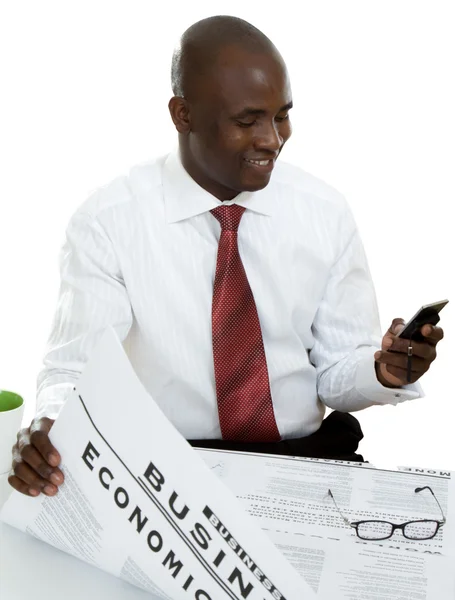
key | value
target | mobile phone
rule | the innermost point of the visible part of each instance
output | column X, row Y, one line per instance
column 426, row 314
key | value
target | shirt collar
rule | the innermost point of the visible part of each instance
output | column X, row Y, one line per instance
column 184, row 198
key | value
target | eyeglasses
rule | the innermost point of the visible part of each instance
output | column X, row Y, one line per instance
column 423, row 529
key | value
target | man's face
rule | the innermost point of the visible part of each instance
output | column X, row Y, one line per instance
column 238, row 124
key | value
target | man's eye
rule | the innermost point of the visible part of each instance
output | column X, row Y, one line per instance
column 246, row 124
column 285, row 118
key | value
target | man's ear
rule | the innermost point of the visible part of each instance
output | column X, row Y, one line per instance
column 180, row 114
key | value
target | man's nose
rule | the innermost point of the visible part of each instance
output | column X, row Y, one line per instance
column 269, row 138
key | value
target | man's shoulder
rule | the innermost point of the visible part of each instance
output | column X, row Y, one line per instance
column 124, row 189
column 302, row 183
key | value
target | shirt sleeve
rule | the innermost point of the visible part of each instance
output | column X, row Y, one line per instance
column 347, row 332
column 92, row 297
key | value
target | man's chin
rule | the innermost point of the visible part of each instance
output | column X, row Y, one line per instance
column 249, row 185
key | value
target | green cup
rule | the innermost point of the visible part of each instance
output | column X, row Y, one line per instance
column 11, row 411
column 10, row 401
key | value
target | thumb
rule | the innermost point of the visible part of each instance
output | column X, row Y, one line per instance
column 396, row 327
column 390, row 335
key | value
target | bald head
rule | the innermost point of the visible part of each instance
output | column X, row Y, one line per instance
column 202, row 44
column 231, row 101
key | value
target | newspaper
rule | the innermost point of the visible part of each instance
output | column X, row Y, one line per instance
column 336, row 570
column 139, row 503
column 291, row 493
column 288, row 497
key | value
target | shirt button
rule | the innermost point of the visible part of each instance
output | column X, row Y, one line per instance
column 397, row 395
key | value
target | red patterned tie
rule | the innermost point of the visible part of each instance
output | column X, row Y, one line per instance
column 242, row 383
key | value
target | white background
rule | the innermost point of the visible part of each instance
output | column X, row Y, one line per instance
column 84, row 93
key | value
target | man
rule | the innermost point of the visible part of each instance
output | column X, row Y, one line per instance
column 237, row 283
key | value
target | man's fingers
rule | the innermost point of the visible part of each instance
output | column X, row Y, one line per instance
column 432, row 334
column 395, row 359
column 22, row 487
column 39, row 438
column 35, row 461
column 28, row 454
column 402, row 374
column 422, row 349
column 32, row 481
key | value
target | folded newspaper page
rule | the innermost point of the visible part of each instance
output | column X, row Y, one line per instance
column 291, row 493
column 140, row 503
column 288, row 496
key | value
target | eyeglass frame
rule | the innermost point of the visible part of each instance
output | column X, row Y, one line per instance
column 395, row 526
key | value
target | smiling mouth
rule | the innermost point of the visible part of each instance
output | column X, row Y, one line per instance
column 261, row 167
column 259, row 163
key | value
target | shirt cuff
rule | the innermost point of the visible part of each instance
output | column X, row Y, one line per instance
column 51, row 400
column 367, row 384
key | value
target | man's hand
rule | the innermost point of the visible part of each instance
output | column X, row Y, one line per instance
column 392, row 361
column 35, row 461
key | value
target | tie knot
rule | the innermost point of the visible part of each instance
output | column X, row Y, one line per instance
column 228, row 216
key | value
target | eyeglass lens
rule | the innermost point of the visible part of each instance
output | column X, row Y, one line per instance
column 420, row 530
column 374, row 530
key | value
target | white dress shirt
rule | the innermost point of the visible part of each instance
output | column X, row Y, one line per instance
column 141, row 255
